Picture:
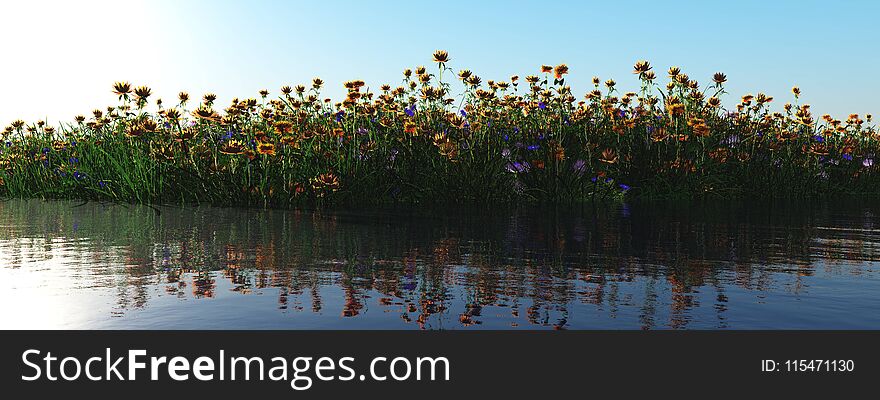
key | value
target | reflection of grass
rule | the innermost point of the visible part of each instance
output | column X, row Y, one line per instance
column 518, row 139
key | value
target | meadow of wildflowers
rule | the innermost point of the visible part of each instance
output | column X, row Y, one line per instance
column 526, row 139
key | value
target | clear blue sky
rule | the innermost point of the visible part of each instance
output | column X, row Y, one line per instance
column 61, row 59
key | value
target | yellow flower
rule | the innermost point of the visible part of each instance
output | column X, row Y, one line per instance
column 266, row 148
column 231, row 147
column 441, row 56
column 325, row 182
column 122, row 88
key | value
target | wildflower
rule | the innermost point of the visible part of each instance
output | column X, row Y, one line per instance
column 641, row 67
column 231, row 147
column 102, row 184
column 713, row 102
column 579, row 167
column 441, row 56
column 623, row 187
column 560, row 70
column 266, row 148
column 868, row 162
column 847, row 157
column 325, row 182
column 541, row 105
column 608, row 156
column 546, row 69
column 142, row 92
column 719, row 78
column 206, row 114
column 518, row 167
column 122, row 88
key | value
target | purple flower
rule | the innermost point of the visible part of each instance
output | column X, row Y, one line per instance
column 541, row 105
column 579, row 167
column 463, row 113
column 102, row 184
column 339, row 116
column 505, row 137
column 363, row 131
column 73, row 160
column 868, row 162
column 78, row 175
column 847, row 157
column 518, row 167
column 45, row 150
column 505, row 153
column 533, row 147
column 410, row 111
column 624, row 187
column 818, row 138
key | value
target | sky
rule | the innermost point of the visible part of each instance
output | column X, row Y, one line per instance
column 60, row 58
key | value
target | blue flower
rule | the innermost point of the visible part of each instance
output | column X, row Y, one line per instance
column 818, row 138
column 410, row 111
column 463, row 113
column 624, row 187
column 533, row 147
column 79, row 175
column 847, row 157
column 45, row 150
column 505, row 137
column 339, row 116
column 102, row 184
column 73, row 160
column 541, row 105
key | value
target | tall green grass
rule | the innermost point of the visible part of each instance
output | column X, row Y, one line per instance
column 518, row 140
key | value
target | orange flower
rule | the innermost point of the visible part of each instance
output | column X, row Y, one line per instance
column 560, row 70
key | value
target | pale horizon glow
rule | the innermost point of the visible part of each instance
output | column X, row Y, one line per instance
column 60, row 58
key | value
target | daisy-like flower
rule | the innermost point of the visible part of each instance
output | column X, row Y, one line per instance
column 560, row 70
column 266, row 148
column 441, row 56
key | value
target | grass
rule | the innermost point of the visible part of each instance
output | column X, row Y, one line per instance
column 512, row 141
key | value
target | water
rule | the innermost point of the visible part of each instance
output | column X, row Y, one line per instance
column 721, row 265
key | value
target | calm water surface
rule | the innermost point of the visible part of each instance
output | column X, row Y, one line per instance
column 729, row 265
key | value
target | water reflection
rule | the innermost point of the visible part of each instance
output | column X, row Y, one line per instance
column 699, row 266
